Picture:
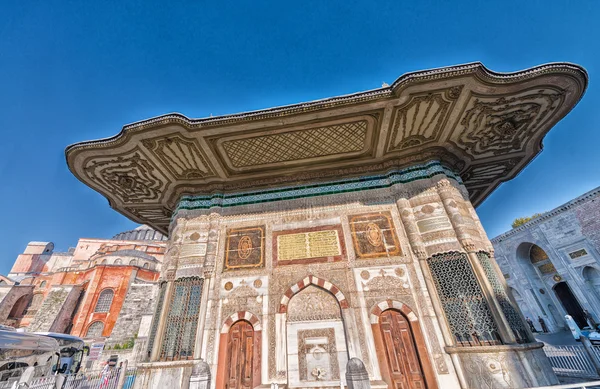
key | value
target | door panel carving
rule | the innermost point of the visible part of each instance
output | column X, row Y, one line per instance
column 239, row 356
column 401, row 355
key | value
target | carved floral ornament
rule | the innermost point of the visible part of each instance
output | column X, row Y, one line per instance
column 484, row 125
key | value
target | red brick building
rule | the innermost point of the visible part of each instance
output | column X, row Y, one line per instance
column 84, row 291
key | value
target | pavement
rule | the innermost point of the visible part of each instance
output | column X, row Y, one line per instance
column 560, row 338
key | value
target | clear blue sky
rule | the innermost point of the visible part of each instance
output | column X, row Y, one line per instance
column 79, row 70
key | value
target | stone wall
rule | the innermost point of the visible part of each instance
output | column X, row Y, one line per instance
column 570, row 237
column 140, row 300
column 54, row 315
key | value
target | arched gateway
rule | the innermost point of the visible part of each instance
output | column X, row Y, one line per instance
column 365, row 198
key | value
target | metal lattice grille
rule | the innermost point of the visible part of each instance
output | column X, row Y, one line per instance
column 95, row 330
column 466, row 310
column 104, row 301
column 156, row 318
column 510, row 312
column 182, row 320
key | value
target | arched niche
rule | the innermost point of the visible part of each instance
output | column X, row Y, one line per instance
column 570, row 303
column 536, row 266
column 591, row 276
column 316, row 341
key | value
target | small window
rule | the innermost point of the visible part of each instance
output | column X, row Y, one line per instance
column 133, row 262
column 145, row 265
column 43, row 284
column 577, row 254
column 118, row 261
column 104, row 301
column 95, row 329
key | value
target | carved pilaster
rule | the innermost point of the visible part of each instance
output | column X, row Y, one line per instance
column 418, row 249
column 446, row 192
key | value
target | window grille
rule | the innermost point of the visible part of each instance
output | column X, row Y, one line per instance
column 510, row 312
column 104, row 301
column 182, row 320
column 95, row 329
column 578, row 253
column 157, row 315
column 467, row 312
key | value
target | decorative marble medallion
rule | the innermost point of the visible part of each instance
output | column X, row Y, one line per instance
column 244, row 248
column 374, row 236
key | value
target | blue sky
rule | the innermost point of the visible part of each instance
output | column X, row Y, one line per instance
column 73, row 71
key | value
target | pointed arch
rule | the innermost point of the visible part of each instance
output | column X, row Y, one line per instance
column 241, row 315
column 312, row 280
column 391, row 304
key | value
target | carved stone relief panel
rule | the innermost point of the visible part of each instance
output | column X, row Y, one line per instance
column 313, row 303
column 374, row 235
column 317, row 355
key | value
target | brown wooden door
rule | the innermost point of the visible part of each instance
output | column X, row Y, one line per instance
column 239, row 356
column 402, row 359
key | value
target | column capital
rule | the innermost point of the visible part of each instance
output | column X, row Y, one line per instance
column 170, row 275
column 443, row 184
column 468, row 245
column 420, row 253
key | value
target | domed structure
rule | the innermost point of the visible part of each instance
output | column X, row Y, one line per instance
column 142, row 232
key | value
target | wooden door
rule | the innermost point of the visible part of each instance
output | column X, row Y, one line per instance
column 402, row 359
column 239, row 356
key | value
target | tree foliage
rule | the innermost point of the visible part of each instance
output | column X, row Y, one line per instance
column 522, row 220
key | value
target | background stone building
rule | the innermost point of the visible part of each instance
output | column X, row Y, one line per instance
column 552, row 262
column 99, row 288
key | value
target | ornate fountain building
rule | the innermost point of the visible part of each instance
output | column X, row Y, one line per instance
column 303, row 236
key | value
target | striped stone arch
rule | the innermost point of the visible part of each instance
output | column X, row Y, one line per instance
column 312, row 280
column 390, row 304
column 241, row 315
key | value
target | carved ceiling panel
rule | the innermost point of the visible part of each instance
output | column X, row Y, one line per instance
column 182, row 157
column 482, row 125
column 500, row 125
column 276, row 149
column 421, row 119
column 131, row 177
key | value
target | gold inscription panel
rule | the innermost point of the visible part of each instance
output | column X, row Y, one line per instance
column 305, row 245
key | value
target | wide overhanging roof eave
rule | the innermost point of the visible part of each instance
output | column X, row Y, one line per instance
column 215, row 158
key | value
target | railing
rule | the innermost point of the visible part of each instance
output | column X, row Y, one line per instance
column 97, row 380
column 582, row 385
column 571, row 361
column 87, row 380
column 41, row 377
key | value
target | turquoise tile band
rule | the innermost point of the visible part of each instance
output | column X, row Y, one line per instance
column 394, row 177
